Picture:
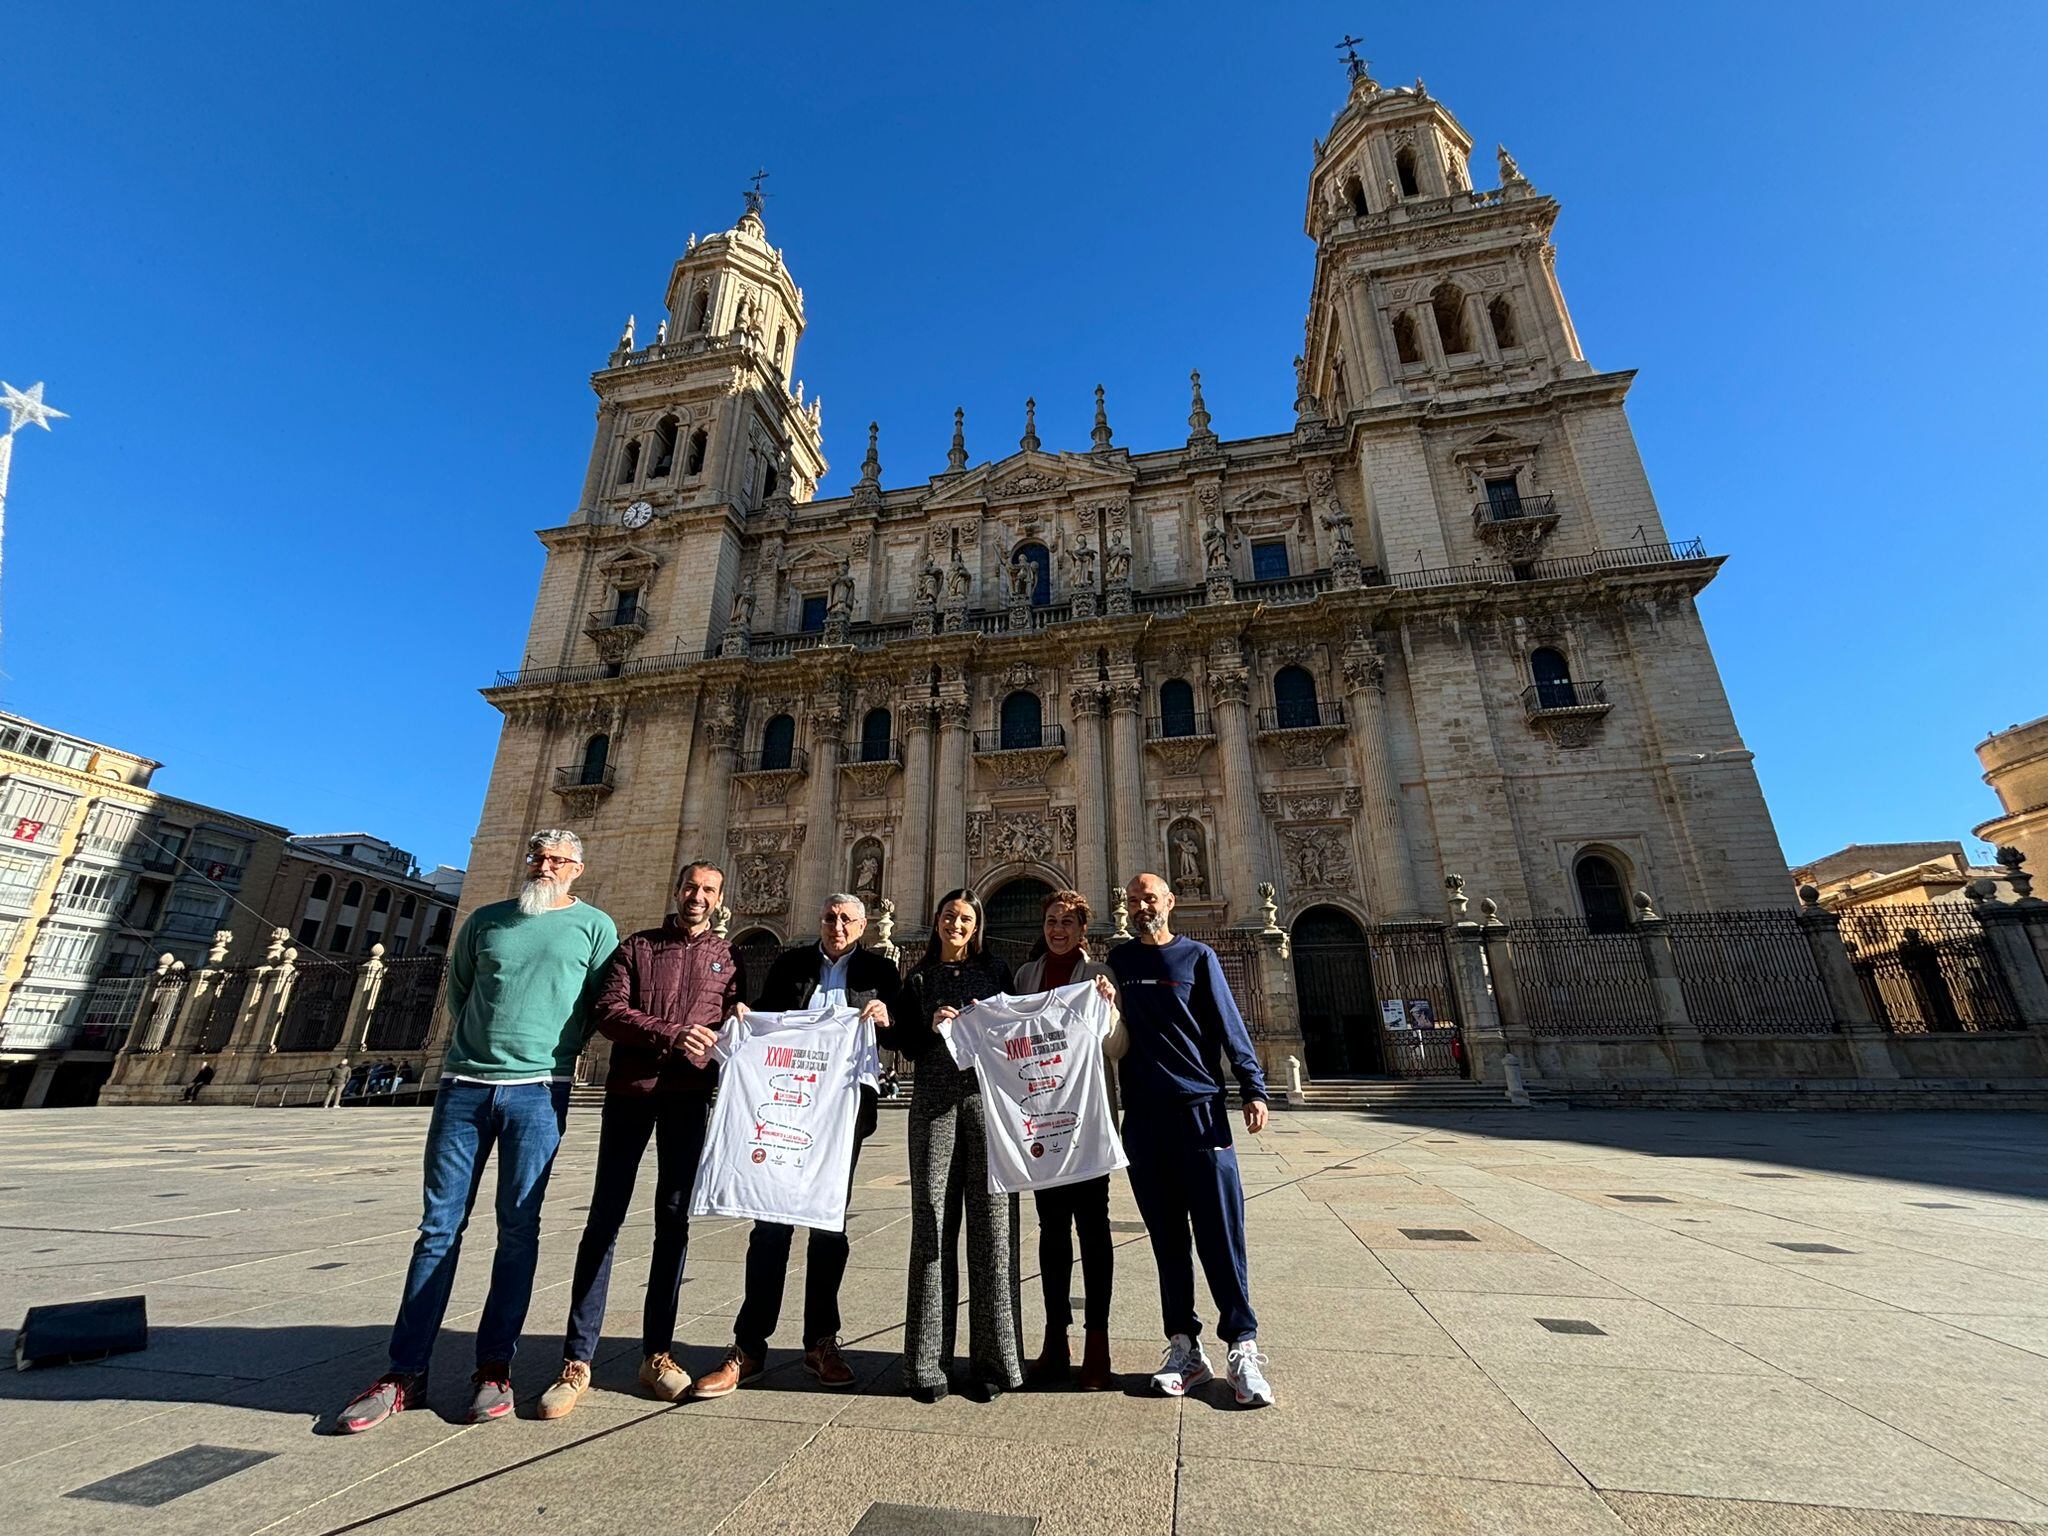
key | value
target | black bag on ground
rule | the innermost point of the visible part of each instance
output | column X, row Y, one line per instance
column 71, row 1331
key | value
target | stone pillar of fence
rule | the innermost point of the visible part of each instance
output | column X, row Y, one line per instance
column 1869, row 1041
column 1478, row 1009
column 156, row 1016
column 362, row 1004
column 199, row 992
column 1498, row 947
column 1660, row 961
column 1281, row 1008
column 2012, row 950
column 270, row 993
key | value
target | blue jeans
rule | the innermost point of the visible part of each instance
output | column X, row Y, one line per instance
column 526, row 1122
column 1184, row 1173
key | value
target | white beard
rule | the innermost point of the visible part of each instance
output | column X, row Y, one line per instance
column 538, row 896
column 1151, row 925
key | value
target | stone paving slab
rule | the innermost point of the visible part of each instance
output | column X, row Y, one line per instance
column 1613, row 1322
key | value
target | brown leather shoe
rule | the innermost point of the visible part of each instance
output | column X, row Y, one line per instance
column 1054, row 1364
column 824, row 1361
column 1097, row 1374
column 737, row 1368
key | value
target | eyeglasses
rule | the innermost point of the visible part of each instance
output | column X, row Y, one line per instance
column 841, row 920
column 543, row 860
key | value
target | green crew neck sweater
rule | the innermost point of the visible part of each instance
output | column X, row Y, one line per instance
column 520, row 989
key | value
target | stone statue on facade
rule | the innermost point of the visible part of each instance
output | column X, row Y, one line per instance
column 1084, row 564
column 1187, row 862
column 1117, row 565
column 958, row 581
column 1023, row 578
column 742, row 609
column 839, row 603
column 1215, row 546
column 928, row 583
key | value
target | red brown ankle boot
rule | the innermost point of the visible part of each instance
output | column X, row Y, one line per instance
column 1097, row 1375
column 1053, row 1366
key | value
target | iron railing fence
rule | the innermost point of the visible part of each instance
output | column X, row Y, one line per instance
column 1196, row 724
column 1748, row 973
column 214, row 1024
column 861, row 750
column 1010, row 738
column 1575, row 982
column 1301, row 715
column 317, row 1009
column 775, row 760
column 1927, row 968
column 586, row 776
column 1561, row 693
column 1420, row 1027
column 405, row 1004
column 1508, row 508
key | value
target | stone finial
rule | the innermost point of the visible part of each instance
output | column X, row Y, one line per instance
column 1510, row 173
column 1120, row 907
column 1269, row 907
column 1454, row 891
column 1029, row 441
column 871, row 466
column 164, row 962
column 1100, row 436
column 377, row 952
column 1199, row 435
column 721, row 919
column 626, row 336
column 2012, row 860
column 956, row 456
column 223, row 939
column 1646, row 910
column 1983, row 891
column 1809, row 896
column 274, row 952
column 885, row 929
column 1489, row 911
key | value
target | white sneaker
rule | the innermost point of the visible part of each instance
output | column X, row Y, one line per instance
column 1246, row 1377
column 1183, row 1368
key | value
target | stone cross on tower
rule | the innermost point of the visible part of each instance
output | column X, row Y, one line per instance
column 754, row 195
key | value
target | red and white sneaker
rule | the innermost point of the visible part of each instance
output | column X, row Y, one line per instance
column 1183, row 1368
column 393, row 1392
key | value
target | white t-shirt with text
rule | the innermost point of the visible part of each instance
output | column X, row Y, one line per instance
column 1044, row 1084
column 780, row 1144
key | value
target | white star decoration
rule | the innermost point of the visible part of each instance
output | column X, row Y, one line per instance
column 26, row 408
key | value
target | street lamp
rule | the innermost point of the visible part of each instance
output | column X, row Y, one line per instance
column 24, row 408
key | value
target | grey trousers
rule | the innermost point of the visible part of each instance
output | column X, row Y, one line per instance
column 949, row 1164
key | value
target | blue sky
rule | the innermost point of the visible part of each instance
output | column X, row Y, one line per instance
column 321, row 290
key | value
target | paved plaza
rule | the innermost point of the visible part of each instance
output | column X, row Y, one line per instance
column 1555, row 1322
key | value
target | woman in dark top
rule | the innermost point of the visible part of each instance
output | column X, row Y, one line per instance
column 948, row 1163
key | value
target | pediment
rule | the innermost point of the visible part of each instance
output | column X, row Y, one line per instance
column 630, row 562
column 1265, row 499
column 830, row 557
column 1496, row 447
column 1030, row 475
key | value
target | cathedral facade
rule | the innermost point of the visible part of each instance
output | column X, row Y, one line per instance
column 1436, row 628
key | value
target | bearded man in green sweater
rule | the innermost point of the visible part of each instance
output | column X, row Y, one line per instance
column 521, row 979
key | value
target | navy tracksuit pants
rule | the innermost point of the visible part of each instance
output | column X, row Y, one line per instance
column 1184, row 1175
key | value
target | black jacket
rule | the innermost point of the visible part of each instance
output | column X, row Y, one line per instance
column 794, row 977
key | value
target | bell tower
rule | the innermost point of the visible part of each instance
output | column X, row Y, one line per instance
column 699, row 428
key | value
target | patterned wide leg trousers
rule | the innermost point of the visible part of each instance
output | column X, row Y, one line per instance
column 948, row 1157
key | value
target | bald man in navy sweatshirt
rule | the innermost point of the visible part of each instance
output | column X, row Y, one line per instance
column 1183, row 1022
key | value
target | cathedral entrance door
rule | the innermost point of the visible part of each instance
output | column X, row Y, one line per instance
column 757, row 949
column 1016, row 917
column 1340, row 1023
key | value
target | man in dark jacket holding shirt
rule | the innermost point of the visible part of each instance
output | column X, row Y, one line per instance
column 835, row 970
column 1182, row 1018
column 660, row 1005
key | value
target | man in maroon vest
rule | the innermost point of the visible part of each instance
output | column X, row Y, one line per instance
column 662, row 1001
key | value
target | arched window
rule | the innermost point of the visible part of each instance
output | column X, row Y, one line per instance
column 700, row 441
column 596, row 756
column 1552, row 676
column 664, row 448
column 409, row 906
column 353, row 896
column 629, row 463
column 1354, row 194
column 323, row 887
column 1294, row 692
column 700, row 310
column 1601, row 896
column 1041, row 560
column 1023, row 721
column 767, row 481
column 1404, row 168
column 382, row 903
column 1407, row 344
column 1176, row 708
column 1448, row 305
column 1501, row 315
column 781, row 345
column 778, row 742
column 874, row 736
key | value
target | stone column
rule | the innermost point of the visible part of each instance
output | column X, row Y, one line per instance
column 816, row 859
column 1498, row 943
column 1126, row 768
column 1395, row 894
column 1091, row 837
column 1869, row 1041
column 949, row 801
column 1478, row 1006
column 1243, row 858
column 714, row 804
column 906, row 875
column 362, row 1004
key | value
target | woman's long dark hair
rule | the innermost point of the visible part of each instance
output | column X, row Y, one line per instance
column 931, row 945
